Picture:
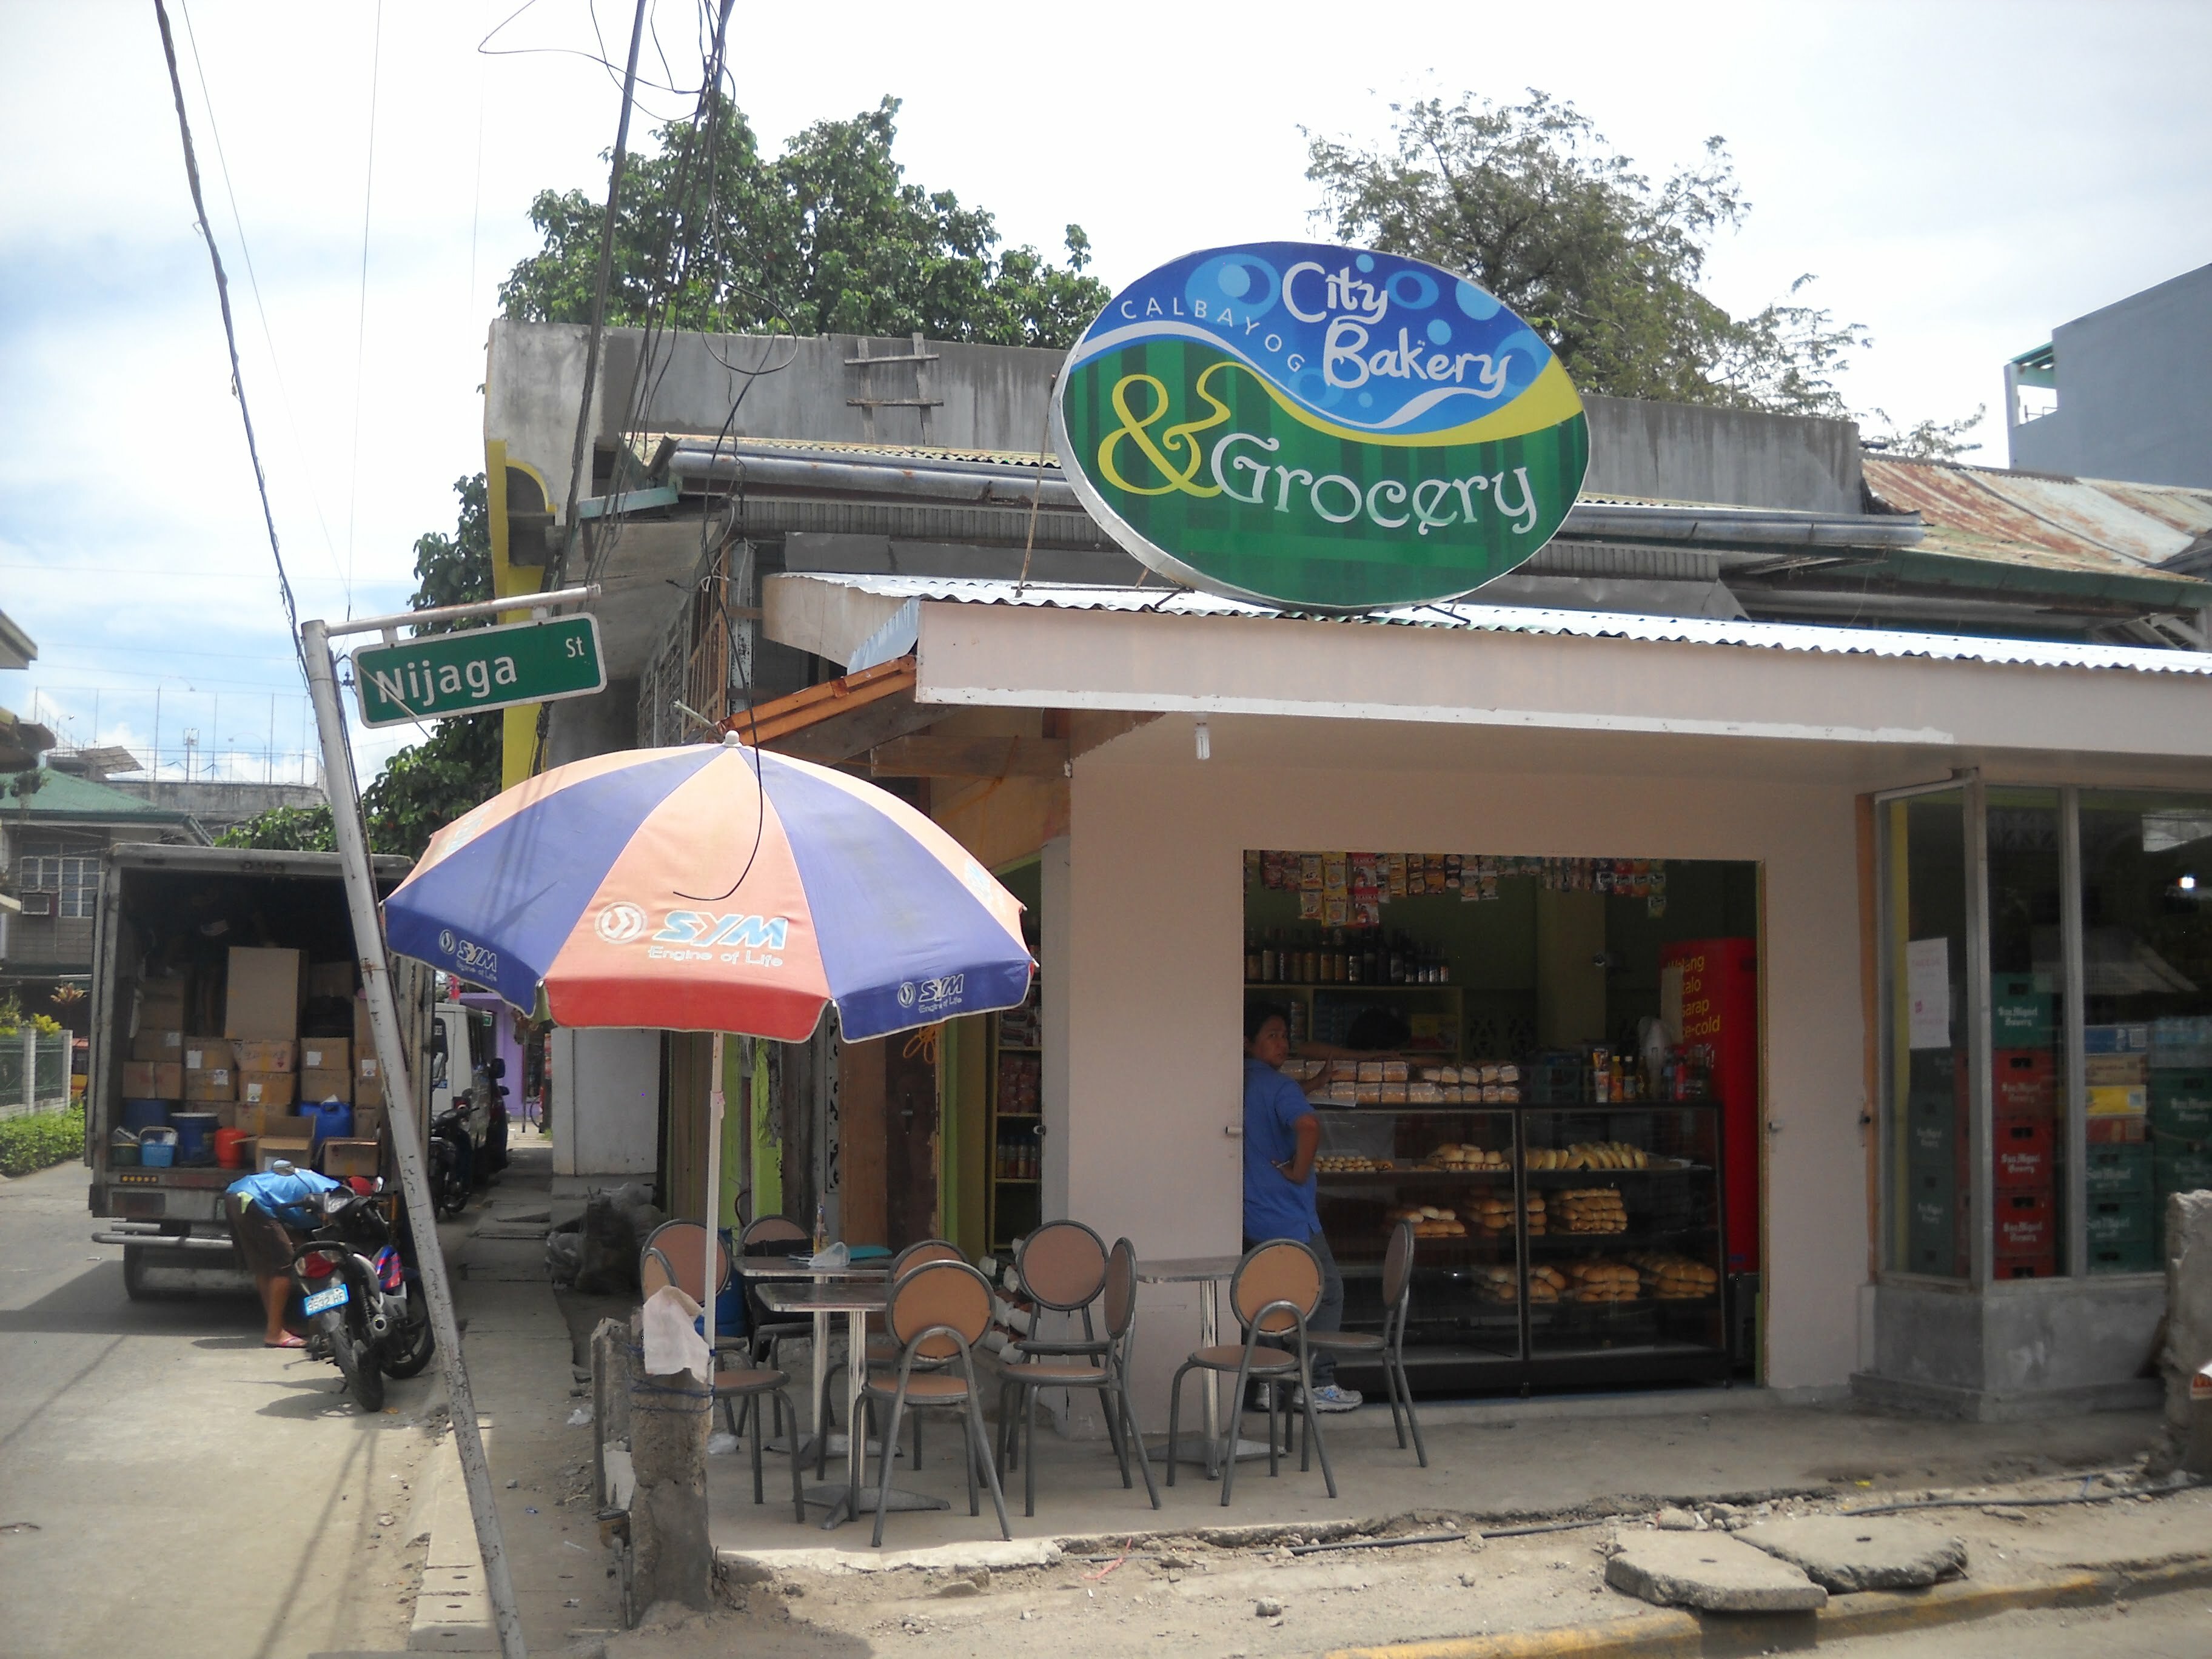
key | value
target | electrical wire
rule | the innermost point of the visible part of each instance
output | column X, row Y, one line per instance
column 253, row 286
column 361, row 330
column 230, row 335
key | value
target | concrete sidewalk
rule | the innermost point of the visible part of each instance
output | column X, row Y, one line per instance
column 1490, row 1462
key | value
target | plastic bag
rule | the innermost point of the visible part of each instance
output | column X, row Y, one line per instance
column 836, row 1259
column 673, row 1343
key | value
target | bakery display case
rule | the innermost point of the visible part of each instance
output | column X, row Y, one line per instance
column 1554, row 1245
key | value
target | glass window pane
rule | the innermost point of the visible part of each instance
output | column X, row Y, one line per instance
column 1925, row 965
column 2027, row 1027
column 2146, row 992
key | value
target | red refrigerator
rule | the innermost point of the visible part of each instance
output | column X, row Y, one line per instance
column 1720, row 1008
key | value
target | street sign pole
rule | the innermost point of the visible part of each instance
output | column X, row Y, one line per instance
column 344, row 791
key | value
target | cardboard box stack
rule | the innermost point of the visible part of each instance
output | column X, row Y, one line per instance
column 326, row 1069
column 154, row 1070
column 262, row 994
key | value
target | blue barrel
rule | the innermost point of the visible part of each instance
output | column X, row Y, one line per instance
column 195, row 1136
column 327, row 1119
column 145, row 1115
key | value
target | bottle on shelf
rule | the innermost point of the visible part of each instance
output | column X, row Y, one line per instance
column 821, row 1228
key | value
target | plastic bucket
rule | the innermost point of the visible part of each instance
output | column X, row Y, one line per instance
column 157, row 1148
column 123, row 1155
column 328, row 1119
column 230, row 1148
column 196, row 1133
column 145, row 1115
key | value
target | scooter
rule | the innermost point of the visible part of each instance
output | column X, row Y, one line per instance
column 366, row 1308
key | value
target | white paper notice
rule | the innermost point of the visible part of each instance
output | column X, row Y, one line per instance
column 1928, row 993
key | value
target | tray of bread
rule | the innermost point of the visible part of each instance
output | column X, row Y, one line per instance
column 1504, row 1284
column 1493, row 1214
column 1672, row 1277
column 1462, row 1157
column 1600, row 1279
column 1597, row 1155
column 1344, row 1163
column 1430, row 1221
column 1590, row 1210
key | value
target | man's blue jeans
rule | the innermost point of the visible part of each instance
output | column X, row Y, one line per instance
column 1329, row 1312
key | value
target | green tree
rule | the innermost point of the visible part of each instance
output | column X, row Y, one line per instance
column 827, row 238
column 1530, row 201
column 427, row 785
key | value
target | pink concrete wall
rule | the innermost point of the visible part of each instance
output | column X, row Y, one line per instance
column 1154, row 993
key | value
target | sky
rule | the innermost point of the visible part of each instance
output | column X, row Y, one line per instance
column 1961, row 177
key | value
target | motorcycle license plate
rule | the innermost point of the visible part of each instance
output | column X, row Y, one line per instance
column 322, row 1301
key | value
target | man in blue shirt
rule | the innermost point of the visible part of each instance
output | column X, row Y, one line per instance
column 263, row 1209
column 1281, row 1137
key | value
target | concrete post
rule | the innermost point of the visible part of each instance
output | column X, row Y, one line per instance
column 610, row 1383
column 671, row 1557
column 2188, row 1298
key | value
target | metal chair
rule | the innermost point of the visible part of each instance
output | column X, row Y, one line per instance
column 1110, row 1376
column 938, row 1311
column 880, row 1349
column 683, row 1246
column 770, row 1234
column 749, row 1384
column 1390, row 1346
column 1276, row 1288
column 1061, row 1268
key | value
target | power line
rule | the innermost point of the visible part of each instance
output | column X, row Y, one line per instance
column 360, row 331
column 254, row 286
column 230, row 333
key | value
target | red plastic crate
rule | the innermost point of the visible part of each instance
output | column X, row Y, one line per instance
column 2024, row 1151
column 2118, row 1131
column 2044, row 1265
column 2026, row 1224
column 2022, row 1083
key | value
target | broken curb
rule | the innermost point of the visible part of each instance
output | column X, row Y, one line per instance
column 1678, row 1635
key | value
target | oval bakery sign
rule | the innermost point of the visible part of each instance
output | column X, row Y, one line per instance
column 1320, row 427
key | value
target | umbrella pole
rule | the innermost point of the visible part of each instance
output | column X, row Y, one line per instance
column 714, row 1191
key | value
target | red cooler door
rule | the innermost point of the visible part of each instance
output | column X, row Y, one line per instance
column 1720, row 1008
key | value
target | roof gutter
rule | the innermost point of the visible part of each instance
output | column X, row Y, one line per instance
column 988, row 483
column 1925, row 566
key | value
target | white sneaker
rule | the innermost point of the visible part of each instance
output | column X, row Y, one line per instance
column 1334, row 1399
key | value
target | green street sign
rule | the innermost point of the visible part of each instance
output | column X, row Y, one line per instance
column 474, row 669
column 1320, row 429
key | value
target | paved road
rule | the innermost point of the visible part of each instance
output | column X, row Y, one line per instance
column 192, row 1493
column 2164, row 1627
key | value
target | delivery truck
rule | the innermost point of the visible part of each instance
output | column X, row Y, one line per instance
column 228, row 1033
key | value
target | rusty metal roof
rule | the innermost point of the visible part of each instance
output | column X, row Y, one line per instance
column 2087, row 525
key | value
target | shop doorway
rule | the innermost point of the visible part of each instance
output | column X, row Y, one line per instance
column 1551, row 1065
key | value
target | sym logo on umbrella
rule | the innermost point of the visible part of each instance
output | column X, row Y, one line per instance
column 467, row 953
column 618, row 924
column 931, row 997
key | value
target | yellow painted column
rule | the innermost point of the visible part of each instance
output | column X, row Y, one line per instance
column 518, row 725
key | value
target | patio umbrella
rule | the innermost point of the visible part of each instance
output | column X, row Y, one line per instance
column 713, row 888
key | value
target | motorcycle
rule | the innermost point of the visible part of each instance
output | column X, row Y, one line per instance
column 366, row 1307
column 452, row 1159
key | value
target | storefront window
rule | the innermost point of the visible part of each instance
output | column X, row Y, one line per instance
column 1550, row 1067
column 2027, row 1034
column 1925, row 940
column 2146, row 993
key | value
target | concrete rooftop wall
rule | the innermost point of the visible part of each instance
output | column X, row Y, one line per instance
column 995, row 397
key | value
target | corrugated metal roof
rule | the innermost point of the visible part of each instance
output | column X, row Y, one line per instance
column 1516, row 619
column 2041, row 519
